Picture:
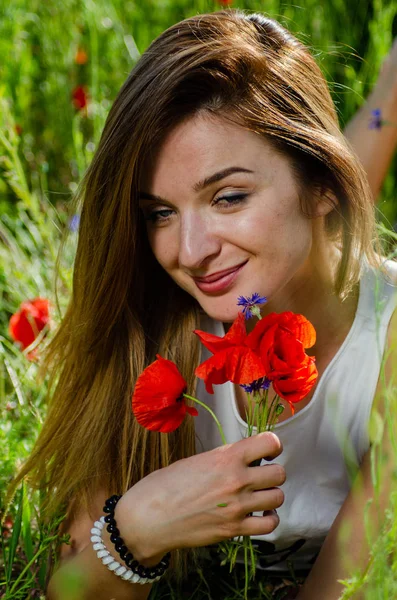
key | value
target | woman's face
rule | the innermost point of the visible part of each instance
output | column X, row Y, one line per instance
column 223, row 215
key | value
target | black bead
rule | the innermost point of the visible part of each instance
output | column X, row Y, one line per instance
column 113, row 529
column 110, row 519
column 115, row 538
column 159, row 572
column 108, row 509
column 123, row 552
column 128, row 559
column 119, row 546
column 134, row 564
column 152, row 574
column 141, row 571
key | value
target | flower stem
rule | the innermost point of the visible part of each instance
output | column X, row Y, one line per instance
column 211, row 413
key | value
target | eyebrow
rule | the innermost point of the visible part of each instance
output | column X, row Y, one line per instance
column 200, row 185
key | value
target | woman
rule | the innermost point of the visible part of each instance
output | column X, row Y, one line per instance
column 221, row 172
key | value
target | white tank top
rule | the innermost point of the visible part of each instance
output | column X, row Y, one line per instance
column 325, row 442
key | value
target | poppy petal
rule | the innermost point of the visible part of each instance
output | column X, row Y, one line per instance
column 157, row 401
column 238, row 365
column 235, row 336
column 192, row 411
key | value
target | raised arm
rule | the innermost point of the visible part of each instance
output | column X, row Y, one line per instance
column 375, row 146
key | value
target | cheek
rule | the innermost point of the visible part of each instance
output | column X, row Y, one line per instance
column 164, row 247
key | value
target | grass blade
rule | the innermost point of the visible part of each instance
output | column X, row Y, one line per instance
column 16, row 530
column 26, row 525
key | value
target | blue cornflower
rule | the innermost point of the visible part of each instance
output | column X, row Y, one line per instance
column 250, row 304
column 255, row 386
column 74, row 223
column 376, row 121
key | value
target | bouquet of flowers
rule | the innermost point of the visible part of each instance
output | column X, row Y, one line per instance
column 271, row 365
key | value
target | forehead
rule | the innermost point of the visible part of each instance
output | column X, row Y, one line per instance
column 204, row 144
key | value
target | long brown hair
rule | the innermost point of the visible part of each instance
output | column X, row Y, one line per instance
column 124, row 307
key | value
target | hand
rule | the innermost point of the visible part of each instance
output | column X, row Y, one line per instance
column 177, row 506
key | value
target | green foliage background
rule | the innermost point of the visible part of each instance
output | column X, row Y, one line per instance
column 46, row 144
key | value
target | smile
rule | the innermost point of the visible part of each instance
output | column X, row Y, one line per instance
column 218, row 282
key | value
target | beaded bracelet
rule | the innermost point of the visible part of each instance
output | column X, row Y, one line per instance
column 147, row 573
column 108, row 560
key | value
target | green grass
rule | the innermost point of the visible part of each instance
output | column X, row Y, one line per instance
column 45, row 147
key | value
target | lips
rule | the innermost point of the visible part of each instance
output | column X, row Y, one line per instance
column 219, row 282
column 218, row 275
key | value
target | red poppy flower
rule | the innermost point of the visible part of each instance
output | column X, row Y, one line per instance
column 280, row 340
column 232, row 359
column 225, row 2
column 26, row 324
column 79, row 97
column 81, row 57
column 157, row 402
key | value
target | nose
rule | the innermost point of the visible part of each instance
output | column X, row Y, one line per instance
column 198, row 241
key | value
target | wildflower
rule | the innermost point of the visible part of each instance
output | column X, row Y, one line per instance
column 256, row 386
column 226, row 2
column 74, row 223
column 250, row 304
column 376, row 121
column 81, row 56
column 232, row 359
column 18, row 129
column 25, row 325
column 79, row 97
column 158, row 401
column 7, row 525
column 280, row 340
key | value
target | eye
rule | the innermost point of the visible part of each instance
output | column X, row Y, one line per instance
column 158, row 216
column 229, row 201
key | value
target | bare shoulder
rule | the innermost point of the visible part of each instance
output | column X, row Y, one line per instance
column 79, row 525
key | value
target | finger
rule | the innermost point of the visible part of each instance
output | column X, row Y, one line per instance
column 266, row 476
column 265, row 500
column 263, row 445
column 260, row 525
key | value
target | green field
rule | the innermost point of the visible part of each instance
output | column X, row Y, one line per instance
column 60, row 69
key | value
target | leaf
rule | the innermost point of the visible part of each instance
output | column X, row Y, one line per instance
column 26, row 526
column 376, row 428
column 16, row 530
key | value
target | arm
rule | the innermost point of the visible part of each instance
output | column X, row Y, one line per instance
column 346, row 547
column 175, row 507
column 79, row 562
column 375, row 147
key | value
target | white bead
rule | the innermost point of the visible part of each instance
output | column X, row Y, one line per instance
column 121, row 570
column 143, row 580
column 99, row 546
column 107, row 559
column 96, row 539
column 96, row 531
column 127, row 575
column 98, row 525
column 102, row 520
column 102, row 553
column 114, row 565
column 135, row 578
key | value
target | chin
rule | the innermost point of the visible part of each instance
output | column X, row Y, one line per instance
column 226, row 313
